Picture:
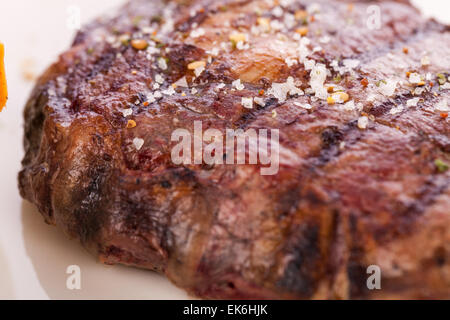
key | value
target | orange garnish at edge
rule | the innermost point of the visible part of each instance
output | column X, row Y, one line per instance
column 3, row 88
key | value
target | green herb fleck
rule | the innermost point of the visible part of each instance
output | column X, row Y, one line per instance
column 441, row 165
column 441, row 78
column 337, row 79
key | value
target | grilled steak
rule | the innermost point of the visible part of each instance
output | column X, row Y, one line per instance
column 360, row 105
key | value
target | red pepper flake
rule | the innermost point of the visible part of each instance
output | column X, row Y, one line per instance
column 431, row 84
column 405, row 50
column 365, row 82
column 145, row 104
column 444, row 115
column 261, row 92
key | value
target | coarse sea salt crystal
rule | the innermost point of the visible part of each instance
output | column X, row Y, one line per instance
column 442, row 106
column 334, row 64
column 276, row 25
column 290, row 62
column 256, row 30
column 325, row 39
column 396, row 109
column 306, row 106
column 313, row 8
column 199, row 70
column 182, row 82
column 138, row 143
column 214, row 52
column 127, row 112
column 425, row 61
column 278, row 90
column 289, row 20
column 170, row 91
column 338, row 97
column 351, row 63
column 309, row 64
column 349, row 106
column 302, row 49
column 318, row 77
column 281, row 90
column 162, row 63
column 259, row 101
column 363, row 122
column 418, row 91
column 445, row 86
column 159, row 79
column 197, row 33
column 415, row 78
column 277, row 12
column 286, row 3
column 412, row 102
column 237, row 84
column 388, row 88
column 247, row 103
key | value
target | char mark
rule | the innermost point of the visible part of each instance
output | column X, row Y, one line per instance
column 299, row 275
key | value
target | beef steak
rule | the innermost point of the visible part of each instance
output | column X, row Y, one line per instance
column 358, row 91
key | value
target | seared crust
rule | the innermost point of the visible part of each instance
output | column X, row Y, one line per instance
column 345, row 197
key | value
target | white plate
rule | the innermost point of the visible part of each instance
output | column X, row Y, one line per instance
column 34, row 256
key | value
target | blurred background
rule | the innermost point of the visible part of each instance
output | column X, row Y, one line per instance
column 34, row 256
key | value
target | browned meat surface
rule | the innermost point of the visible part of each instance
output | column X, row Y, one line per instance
column 360, row 183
